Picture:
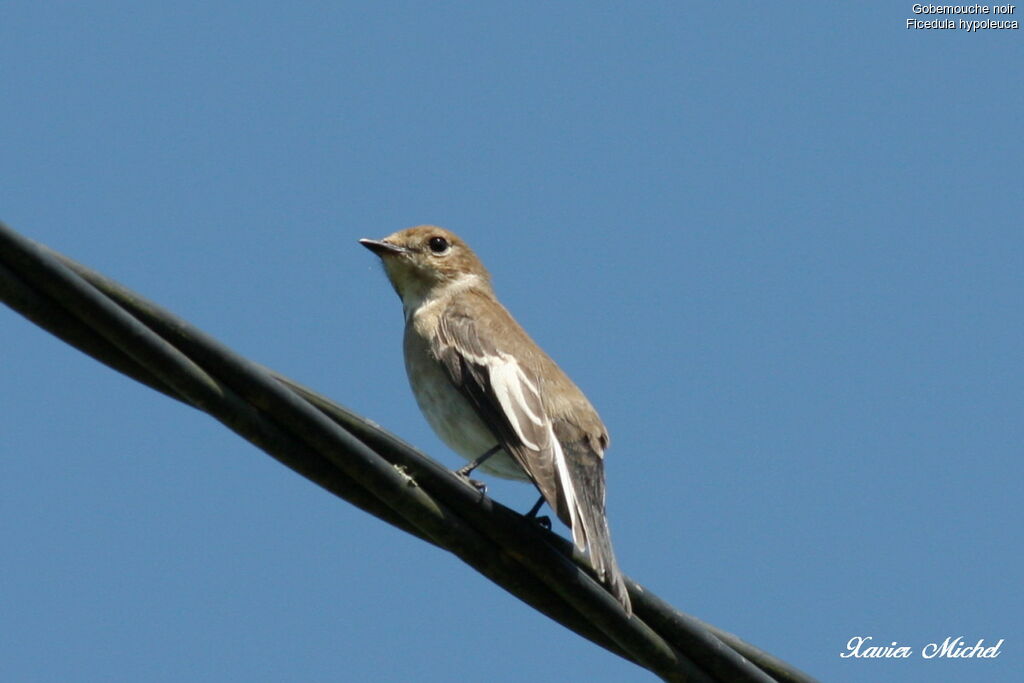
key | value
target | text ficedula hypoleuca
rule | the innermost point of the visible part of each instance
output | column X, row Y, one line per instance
column 491, row 393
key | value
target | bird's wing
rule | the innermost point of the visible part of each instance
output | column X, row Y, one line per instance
column 505, row 395
column 564, row 459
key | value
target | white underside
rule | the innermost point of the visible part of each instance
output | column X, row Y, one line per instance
column 453, row 419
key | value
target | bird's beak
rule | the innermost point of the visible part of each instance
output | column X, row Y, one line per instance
column 382, row 248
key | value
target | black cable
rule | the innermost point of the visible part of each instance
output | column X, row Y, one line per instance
column 362, row 463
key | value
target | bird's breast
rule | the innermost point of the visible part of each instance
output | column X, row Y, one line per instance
column 448, row 412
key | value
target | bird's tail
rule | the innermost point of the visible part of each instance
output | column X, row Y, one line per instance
column 589, row 523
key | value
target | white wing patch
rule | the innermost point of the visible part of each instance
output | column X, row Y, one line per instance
column 509, row 382
column 511, row 387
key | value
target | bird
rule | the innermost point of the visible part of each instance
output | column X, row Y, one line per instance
column 490, row 392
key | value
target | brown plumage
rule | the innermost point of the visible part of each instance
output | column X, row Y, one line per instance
column 481, row 382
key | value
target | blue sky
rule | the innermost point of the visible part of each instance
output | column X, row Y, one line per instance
column 781, row 249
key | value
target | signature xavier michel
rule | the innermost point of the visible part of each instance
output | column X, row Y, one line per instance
column 950, row 648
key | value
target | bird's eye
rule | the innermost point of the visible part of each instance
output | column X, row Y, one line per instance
column 438, row 244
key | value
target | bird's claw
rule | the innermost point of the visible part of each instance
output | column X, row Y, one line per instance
column 463, row 474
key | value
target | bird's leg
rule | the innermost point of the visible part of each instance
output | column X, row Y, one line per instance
column 464, row 472
column 532, row 514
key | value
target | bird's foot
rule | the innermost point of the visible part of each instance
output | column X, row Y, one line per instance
column 544, row 521
column 466, row 470
column 463, row 473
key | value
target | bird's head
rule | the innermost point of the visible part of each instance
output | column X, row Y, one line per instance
column 422, row 260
